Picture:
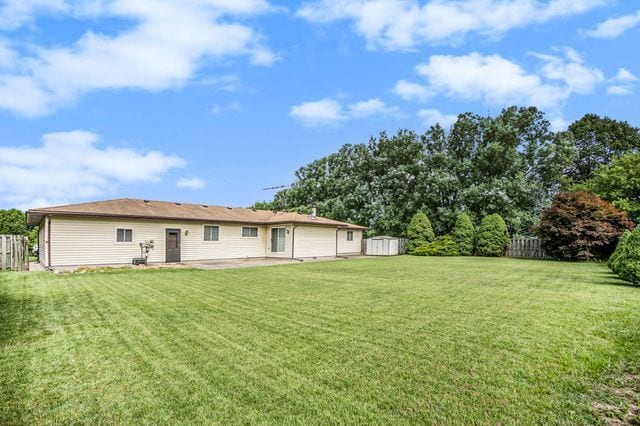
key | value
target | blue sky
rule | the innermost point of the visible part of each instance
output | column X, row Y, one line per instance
column 213, row 100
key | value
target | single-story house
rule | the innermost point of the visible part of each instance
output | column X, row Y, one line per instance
column 110, row 232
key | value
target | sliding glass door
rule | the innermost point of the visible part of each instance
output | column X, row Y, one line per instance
column 277, row 239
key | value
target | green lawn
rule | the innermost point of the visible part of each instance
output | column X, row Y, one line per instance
column 405, row 339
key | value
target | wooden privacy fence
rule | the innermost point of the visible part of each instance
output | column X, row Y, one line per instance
column 529, row 248
column 402, row 249
column 14, row 252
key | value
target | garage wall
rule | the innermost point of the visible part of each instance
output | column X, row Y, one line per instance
column 349, row 247
column 315, row 241
column 85, row 241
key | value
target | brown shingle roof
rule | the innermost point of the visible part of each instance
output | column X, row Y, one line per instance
column 145, row 209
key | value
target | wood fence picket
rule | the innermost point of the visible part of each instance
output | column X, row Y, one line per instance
column 526, row 248
column 14, row 253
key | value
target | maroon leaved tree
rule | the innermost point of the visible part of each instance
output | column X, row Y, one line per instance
column 581, row 225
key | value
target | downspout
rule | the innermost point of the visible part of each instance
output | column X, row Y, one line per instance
column 49, row 241
column 293, row 243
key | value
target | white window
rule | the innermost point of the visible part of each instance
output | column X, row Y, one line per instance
column 349, row 235
column 249, row 232
column 211, row 233
column 124, row 235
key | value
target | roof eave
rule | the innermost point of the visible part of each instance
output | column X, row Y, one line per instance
column 39, row 214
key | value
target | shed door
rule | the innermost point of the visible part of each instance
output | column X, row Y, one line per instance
column 378, row 247
column 173, row 245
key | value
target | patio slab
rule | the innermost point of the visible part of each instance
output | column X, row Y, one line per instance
column 252, row 262
column 204, row 264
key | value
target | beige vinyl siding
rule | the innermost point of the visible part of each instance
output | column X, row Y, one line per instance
column 88, row 241
column 314, row 241
column 349, row 247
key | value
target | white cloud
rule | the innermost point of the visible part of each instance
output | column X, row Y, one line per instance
column 318, row 113
column 231, row 106
column 432, row 116
column 571, row 70
column 412, row 91
column 15, row 13
column 614, row 27
column 8, row 56
column 331, row 111
column 625, row 75
column 168, row 44
column 190, row 183
column 72, row 166
column 227, row 82
column 370, row 108
column 495, row 80
column 619, row 90
column 405, row 24
column 235, row 106
column 559, row 124
column 623, row 84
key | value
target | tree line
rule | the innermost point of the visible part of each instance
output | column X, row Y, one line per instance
column 511, row 164
column 14, row 222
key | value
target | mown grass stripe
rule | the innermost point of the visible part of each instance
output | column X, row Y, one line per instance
column 261, row 359
column 402, row 340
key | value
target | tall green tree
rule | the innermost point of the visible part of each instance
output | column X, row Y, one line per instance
column 419, row 232
column 397, row 170
column 619, row 183
column 598, row 141
column 13, row 221
column 511, row 164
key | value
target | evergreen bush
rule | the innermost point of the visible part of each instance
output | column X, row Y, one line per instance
column 625, row 260
column 464, row 234
column 441, row 246
column 419, row 232
column 492, row 236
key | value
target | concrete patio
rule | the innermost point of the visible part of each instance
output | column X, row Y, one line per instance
column 200, row 264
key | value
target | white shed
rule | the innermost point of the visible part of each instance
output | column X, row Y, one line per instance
column 383, row 246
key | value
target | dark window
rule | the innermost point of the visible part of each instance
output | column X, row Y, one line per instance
column 249, row 231
column 172, row 241
column 278, row 236
column 124, row 235
column 349, row 235
column 211, row 233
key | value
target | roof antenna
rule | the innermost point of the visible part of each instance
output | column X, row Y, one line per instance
column 283, row 197
column 275, row 187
